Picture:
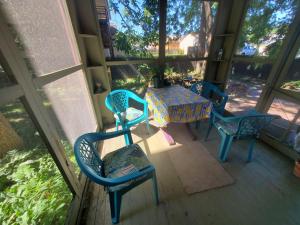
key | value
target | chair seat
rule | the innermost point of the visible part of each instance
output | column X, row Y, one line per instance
column 124, row 161
column 229, row 128
column 131, row 114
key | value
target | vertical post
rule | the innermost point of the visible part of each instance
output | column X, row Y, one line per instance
column 231, row 15
column 235, row 22
column 162, row 37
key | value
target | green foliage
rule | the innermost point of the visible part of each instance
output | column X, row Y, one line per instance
column 32, row 190
column 38, row 195
column 146, row 70
column 139, row 26
column 140, row 23
column 267, row 21
column 292, row 85
column 184, row 16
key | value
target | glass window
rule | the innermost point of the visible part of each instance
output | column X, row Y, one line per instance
column 132, row 77
column 185, row 72
column 292, row 79
column 245, row 84
column 132, row 29
column 265, row 26
column 32, row 190
column 285, row 129
column 70, row 108
column 190, row 24
column 43, row 34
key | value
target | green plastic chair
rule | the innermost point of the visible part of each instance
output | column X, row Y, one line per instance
column 117, row 101
column 119, row 171
column 247, row 126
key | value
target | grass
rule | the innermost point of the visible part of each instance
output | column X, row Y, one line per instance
column 32, row 190
column 136, row 84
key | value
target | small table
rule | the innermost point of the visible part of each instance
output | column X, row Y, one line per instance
column 176, row 104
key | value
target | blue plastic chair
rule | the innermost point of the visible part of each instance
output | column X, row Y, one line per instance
column 212, row 93
column 118, row 171
column 117, row 101
column 247, row 126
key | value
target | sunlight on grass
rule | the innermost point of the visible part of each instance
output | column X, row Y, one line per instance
column 292, row 85
column 32, row 189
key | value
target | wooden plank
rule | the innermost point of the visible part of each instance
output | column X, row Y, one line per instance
column 254, row 59
column 95, row 67
column 294, row 95
column 88, row 35
column 156, row 61
column 9, row 94
column 183, row 59
column 131, row 62
column 50, row 77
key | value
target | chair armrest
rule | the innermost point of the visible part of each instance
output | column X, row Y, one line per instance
column 138, row 99
column 215, row 114
column 99, row 136
column 235, row 119
column 142, row 101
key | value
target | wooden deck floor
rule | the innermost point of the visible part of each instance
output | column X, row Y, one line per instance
column 265, row 191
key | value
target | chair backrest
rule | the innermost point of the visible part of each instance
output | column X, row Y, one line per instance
column 252, row 125
column 197, row 88
column 211, row 92
column 88, row 159
column 117, row 100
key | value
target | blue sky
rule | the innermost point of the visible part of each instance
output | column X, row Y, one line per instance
column 116, row 19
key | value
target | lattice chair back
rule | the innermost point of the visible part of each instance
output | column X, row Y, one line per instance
column 253, row 124
column 118, row 101
column 88, row 159
column 212, row 92
column 197, row 88
column 202, row 88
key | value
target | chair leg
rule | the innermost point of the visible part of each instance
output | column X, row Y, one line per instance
column 155, row 189
column 197, row 124
column 127, row 140
column 250, row 151
column 148, row 126
column 210, row 125
column 226, row 148
column 115, row 199
column 117, row 125
column 222, row 146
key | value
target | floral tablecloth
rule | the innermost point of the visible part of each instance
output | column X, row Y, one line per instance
column 176, row 104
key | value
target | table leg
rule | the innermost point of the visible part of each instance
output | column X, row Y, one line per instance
column 167, row 136
column 194, row 137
